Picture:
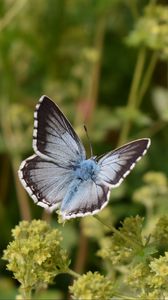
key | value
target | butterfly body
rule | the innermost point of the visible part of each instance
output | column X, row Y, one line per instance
column 60, row 175
column 87, row 169
column 85, row 173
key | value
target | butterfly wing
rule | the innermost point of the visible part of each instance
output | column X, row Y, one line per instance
column 45, row 182
column 117, row 164
column 47, row 174
column 84, row 198
column 54, row 138
column 90, row 196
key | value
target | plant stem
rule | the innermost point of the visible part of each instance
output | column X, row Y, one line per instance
column 11, row 14
column 137, row 77
column 82, row 252
column 132, row 98
column 113, row 229
column 124, row 297
column 93, row 89
column 26, row 293
column 147, row 77
column 73, row 273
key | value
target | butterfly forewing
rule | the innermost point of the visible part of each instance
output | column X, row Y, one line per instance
column 53, row 136
column 117, row 164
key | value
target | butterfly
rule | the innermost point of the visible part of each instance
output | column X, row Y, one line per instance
column 59, row 175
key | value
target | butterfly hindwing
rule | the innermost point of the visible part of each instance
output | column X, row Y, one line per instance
column 84, row 198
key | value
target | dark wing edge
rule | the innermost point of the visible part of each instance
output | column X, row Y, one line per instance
column 46, row 101
column 142, row 147
column 87, row 213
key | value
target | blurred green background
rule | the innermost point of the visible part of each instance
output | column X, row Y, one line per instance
column 105, row 64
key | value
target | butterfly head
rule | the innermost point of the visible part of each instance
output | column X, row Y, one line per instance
column 87, row 169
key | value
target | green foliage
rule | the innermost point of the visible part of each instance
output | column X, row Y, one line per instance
column 95, row 230
column 120, row 250
column 160, row 233
column 160, row 102
column 127, row 246
column 153, row 194
column 35, row 257
column 75, row 52
column 142, row 272
column 16, row 124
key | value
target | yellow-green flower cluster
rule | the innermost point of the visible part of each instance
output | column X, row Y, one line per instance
column 122, row 250
column 35, row 256
column 92, row 286
column 160, row 233
column 150, row 279
column 143, row 273
column 137, row 276
column 152, row 295
column 159, row 270
column 151, row 30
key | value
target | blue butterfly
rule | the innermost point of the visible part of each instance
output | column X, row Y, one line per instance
column 60, row 175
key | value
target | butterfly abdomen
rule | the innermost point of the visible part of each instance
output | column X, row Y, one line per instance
column 72, row 190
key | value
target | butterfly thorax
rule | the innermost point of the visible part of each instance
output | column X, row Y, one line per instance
column 87, row 169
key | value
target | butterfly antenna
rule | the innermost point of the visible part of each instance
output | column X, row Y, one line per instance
column 91, row 150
